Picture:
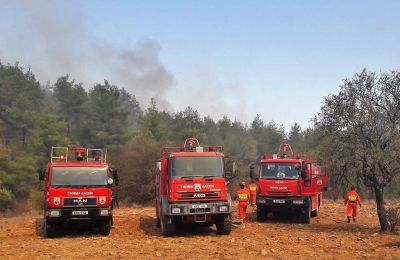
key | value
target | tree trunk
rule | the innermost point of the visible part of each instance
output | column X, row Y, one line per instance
column 380, row 207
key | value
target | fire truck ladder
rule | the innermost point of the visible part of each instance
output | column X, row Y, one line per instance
column 59, row 154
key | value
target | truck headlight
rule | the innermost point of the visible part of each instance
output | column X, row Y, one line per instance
column 298, row 202
column 57, row 200
column 262, row 201
column 54, row 213
column 104, row 212
column 176, row 210
column 223, row 208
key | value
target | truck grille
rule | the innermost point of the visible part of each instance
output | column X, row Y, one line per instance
column 197, row 195
column 279, row 193
column 72, row 202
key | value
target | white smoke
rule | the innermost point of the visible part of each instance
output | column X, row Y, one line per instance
column 53, row 40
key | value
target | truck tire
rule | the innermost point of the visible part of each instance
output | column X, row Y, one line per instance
column 167, row 229
column 49, row 229
column 262, row 214
column 315, row 212
column 158, row 222
column 105, row 227
column 224, row 225
column 306, row 213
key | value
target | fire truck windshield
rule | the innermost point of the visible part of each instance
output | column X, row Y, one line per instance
column 280, row 171
column 187, row 167
column 79, row 176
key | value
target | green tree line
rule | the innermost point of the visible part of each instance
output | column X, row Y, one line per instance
column 36, row 116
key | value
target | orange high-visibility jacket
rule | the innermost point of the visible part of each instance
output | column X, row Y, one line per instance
column 253, row 188
column 243, row 195
column 352, row 197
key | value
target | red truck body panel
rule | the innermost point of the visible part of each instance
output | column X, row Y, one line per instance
column 80, row 193
column 185, row 190
column 76, row 192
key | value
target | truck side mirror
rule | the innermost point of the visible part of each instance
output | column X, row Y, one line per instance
column 114, row 174
column 309, row 172
column 230, row 175
column 303, row 171
column 252, row 173
column 158, row 165
column 41, row 173
column 306, row 175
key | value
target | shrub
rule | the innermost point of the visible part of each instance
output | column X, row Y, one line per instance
column 393, row 215
column 36, row 200
column 6, row 199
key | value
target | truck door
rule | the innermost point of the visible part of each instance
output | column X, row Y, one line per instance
column 324, row 177
column 164, row 177
column 158, row 177
column 157, row 187
column 307, row 180
column 319, row 179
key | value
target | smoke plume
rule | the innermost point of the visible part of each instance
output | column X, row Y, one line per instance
column 53, row 40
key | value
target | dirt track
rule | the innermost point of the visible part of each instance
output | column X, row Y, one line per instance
column 135, row 235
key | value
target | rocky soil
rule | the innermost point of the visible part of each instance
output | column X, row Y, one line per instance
column 135, row 235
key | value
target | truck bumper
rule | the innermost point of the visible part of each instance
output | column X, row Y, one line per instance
column 206, row 208
column 78, row 214
column 279, row 202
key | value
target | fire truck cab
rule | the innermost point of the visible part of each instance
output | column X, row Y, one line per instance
column 192, row 187
column 289, row 182
column 78, row 190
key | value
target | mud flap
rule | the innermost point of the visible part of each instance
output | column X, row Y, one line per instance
column 164, row 205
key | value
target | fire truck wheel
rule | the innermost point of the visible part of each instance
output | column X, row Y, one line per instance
column 158, row 222
column 167, row 229
column 49, row 229
column 306, row 213
column 105, row 227
column 224, row 225
column 315, row 212
column 262, row 214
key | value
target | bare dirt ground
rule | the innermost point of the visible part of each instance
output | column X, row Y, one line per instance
column 135, row 235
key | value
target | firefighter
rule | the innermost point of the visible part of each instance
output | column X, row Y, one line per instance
column 253, row 193
column 351, row 200
column 243, row 196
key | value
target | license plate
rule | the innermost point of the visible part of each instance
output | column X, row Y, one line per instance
column 80, row 212
column 279, row 201
column 200, row 206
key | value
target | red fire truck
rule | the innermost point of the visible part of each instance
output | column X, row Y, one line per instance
column 289, row 182
column 191, row 187
column 78, row 190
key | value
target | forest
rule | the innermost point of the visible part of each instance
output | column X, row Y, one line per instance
column 356, row 131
